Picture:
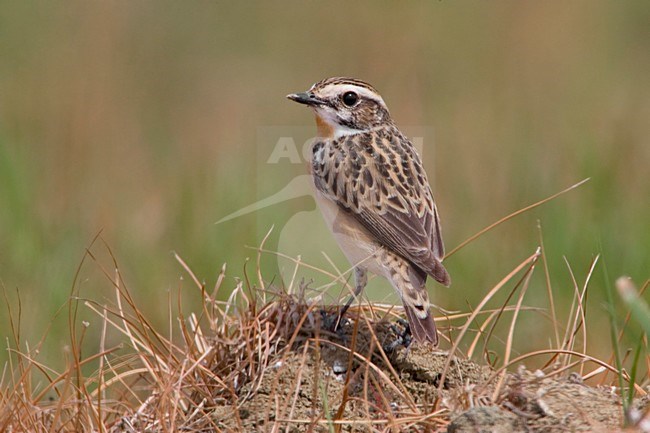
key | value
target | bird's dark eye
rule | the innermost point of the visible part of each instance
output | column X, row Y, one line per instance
column 350, row 98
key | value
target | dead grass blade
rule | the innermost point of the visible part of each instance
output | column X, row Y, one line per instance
column 511, row 331
column 526, row 263
column 512, row 215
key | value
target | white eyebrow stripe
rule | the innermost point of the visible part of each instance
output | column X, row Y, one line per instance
column 338, row 89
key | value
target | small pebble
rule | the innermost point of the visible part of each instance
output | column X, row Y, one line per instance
column 339, row 367
column 575, row 378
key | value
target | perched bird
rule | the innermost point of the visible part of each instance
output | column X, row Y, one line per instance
column 375, row 196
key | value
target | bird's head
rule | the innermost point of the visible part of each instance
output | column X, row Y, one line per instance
column 344, row 106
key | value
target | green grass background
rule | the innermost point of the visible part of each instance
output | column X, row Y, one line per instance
column 146, row 120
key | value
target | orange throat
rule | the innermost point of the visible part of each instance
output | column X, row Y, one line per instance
column 324, row 129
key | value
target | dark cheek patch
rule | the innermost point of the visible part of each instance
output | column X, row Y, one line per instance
column 366, row 114
column 350, row 123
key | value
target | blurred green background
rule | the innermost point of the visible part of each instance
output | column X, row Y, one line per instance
column 149, row 121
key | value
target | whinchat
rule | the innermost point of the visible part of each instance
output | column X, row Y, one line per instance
column 375, row 196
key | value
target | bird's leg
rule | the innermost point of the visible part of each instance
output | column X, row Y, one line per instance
column 361, row 279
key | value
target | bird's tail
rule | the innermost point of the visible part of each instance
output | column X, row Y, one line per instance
column 410, row 284
column 416, row 305
column 423, row 328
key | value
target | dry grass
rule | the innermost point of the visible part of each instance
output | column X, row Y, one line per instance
column 260, row 361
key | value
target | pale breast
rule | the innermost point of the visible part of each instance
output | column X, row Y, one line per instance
column 354, row 240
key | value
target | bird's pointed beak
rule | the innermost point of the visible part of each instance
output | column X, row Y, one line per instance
column 306, row 98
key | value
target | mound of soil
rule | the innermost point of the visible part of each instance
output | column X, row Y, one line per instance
column 362, row 379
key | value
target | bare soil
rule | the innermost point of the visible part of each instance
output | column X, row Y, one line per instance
column 364, row 378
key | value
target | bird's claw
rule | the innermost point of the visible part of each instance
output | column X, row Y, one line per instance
column 403, row 337
column 333, row 322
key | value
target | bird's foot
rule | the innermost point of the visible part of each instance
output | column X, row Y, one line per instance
column 333, row 322
column 403, row 337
